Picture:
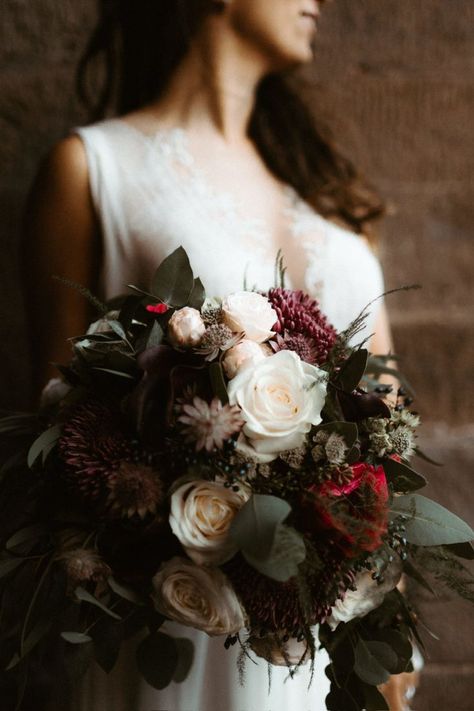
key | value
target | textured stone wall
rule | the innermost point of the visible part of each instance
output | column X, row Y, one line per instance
column 396, row 80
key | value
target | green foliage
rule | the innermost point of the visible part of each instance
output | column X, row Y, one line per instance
column 267, row 545
column 173, row 281
column 162, row 659
column 43, row 445
column 218, row 385
column 428, row 523
column 402, row 477
column 353, row 370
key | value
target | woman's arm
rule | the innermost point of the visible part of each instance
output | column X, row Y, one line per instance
column 61, row 237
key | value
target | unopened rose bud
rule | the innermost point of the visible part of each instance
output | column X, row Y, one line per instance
column 186, row 328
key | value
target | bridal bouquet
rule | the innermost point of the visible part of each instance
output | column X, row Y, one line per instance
column 234, row 465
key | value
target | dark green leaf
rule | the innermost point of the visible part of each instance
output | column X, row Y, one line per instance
column 84, row 596
column 287, row 553
column 368, row 665
column 218, row 383
column 155, row 336
column 198, row 295
column 402, row 477
column 119, row 373
column 353, row 370
column 271, row 548
column 462, row 550
column 34, row 637
column 157, row 659
column 76, row 637
column 173, row 281
column 428, row 523
column 8, row 565
column 253, row 528
column 124, row 592
column 30, row 533
column 108, row 636
column 117, row 328
column 185, row 649
column 401, row 646
column 43, row 444
column 374, row 701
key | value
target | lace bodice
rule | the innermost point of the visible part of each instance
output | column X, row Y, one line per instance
column 151, row 195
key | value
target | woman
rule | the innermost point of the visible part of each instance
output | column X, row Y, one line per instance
column 212, row 151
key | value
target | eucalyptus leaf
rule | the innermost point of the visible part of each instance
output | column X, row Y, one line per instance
column 218, row 382
column 43, row 444
column 353, row 370
column 402, row 477
column 428, row 523
column 368, row 665
column 34, row 637
column 462, row 550
column 117, row 328
column 185, row 659
column 124, row 592
column 267, row 545
column 157, row 659
column 84, row 596
column 8, row 565
column 253, row 528
column 155, row 336
column 198, row 295
column 30, row 533
column 287, row 553
column 76, row 637
column 118, row 373
column 173, row 281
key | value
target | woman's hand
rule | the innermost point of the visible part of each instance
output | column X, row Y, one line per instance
column 399, row 689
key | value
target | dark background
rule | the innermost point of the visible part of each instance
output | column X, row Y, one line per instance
column 395, row 78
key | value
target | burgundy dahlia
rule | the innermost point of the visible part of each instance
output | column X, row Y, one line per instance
column 301, row 325
column 102, row 463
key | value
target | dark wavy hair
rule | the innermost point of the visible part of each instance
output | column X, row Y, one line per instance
column 139, row 44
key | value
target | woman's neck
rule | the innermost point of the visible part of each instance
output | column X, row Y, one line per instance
column 214, row 86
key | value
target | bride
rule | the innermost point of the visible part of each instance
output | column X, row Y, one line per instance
column 212, row 151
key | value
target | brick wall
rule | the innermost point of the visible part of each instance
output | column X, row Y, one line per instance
column 396, row 79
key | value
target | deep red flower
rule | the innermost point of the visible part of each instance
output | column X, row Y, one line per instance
column 355, row 514
column 298, row 313
column 157, row 308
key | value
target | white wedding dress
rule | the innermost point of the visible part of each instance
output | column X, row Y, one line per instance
column 152, row 195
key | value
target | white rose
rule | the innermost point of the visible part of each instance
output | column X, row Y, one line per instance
column 280, row 398
column 250, row 312
column 186, row 328
column 200, row 517
column 366, row 597
column 198, row 597
column 246, row 351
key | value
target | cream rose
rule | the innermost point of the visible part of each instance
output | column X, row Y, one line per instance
column 186, row 328
column 200, row 517
column 251, row 313
column 246, row 351
column 198, row 597
column 280, row 399
column 368, row 595
column 53, row 392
